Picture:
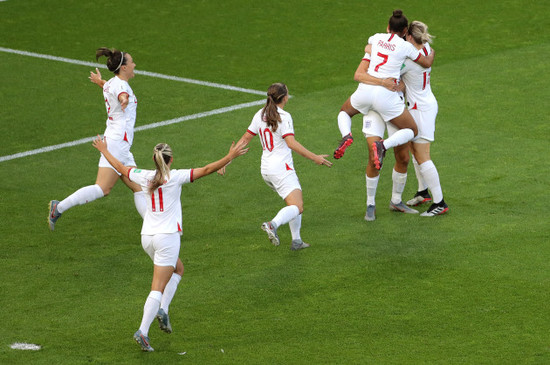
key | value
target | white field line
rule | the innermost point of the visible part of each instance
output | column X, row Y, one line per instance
column 137, row 72
column 140, row 128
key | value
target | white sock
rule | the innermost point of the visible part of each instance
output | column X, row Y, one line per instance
column 400, row 137
column 140, row 200
column 399, row 181
column 150, row 310
column 421, row 184
column 344, row 123
column 170, row 291
column 431, row 177
column 81, row 196
column 295, row 226
column 372, row 184
column 285, row 215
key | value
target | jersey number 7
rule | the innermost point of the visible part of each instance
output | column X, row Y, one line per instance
column 384, row 60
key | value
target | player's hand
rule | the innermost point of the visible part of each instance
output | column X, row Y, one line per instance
column 322, row 160
column 237, row 149
column 390, row 83
column 96, row 77
column 99, row 144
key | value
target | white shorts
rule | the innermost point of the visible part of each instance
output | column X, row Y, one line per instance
column 283, row 184
column 374, row 126
column 119, row 149
column 425, row 120
column 162, row 248
column 387, row 103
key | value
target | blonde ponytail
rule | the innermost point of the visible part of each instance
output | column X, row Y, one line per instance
column 162, row 154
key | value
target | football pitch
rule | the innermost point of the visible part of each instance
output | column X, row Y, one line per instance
column 469, row 287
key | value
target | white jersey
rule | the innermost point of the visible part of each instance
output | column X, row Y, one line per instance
column 276, row 156
column 120, row 124
column 389, row 52
column 417, row 83
column 163, row 213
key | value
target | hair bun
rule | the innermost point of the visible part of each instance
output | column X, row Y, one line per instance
column 397, row 13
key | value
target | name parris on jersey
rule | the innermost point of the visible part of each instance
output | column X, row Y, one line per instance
column 385, row 45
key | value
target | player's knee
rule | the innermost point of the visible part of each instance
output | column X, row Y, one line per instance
column 179, row 268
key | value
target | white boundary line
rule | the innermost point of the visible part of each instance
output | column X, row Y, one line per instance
column 140, row 128
column 137, row 72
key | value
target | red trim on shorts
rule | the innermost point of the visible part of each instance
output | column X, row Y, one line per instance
column 288, row 168
column 125, row 137
column 288, row 134
column 179, row 228
column 249, row 131
column 414, row 107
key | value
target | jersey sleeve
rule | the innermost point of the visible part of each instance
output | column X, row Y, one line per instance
column 138, row 176
column 182, row 176
column 254, row 126
column 286, row 125
column 413, row 53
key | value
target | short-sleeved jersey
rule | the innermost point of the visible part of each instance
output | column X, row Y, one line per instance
column 417, row 83
column 276, row 156
column 163, row 213
column 120, row 124
column 389, row 52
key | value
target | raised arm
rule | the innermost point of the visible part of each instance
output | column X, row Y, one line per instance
column 96, row 78
column 101, row 146
column 235, row 151
column 297, row 147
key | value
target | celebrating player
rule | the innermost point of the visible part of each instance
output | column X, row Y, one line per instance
column 162, row 225
column 121, row 105
column 388, row 51
column 275, row 128
column 423, row 107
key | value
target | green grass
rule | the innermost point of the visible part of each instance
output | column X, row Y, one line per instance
column 470, row 287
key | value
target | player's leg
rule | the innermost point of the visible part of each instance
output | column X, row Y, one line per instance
column 344, row 124
column 106, row 179
column 373, row 130
column 430, row 176
column 399, row 179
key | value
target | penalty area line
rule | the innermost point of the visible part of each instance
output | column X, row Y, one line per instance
column 140, row 128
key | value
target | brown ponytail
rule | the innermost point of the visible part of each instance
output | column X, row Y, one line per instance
column 275, row 95
column 115, row 58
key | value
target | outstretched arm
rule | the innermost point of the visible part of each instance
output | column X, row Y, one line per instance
column 297, row 147
column 246, row 138
column 101, row 146
column 235, row 151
